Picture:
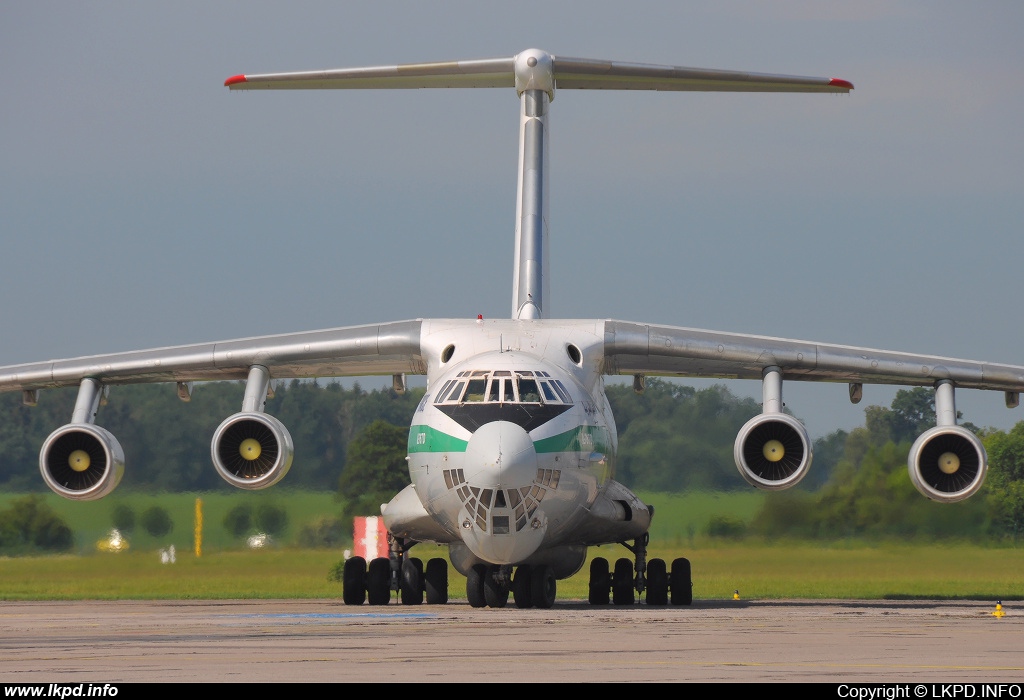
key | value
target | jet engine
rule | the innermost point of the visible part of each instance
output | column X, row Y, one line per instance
column 81, row 461
column 252, row 450
column 947, row 463
column 772, row 451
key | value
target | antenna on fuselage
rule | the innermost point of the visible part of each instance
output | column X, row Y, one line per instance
column 535, row 74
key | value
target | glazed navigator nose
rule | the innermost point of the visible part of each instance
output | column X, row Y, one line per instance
column 500, row 464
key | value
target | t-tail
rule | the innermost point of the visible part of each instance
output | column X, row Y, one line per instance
column 536, row 75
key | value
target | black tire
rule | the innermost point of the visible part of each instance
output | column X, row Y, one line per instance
column 657, row 582
column 680, row 584
column 522, row 592
column 435, row 580
column 475, row 586
column 622, row 583
column 600, row 582
column 378, row 581
column 353, row 581
column 412, row 582
column 543, row 586
column 495, row 592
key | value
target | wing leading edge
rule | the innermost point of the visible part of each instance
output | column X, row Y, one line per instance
column 636, row 348
column 379, row 349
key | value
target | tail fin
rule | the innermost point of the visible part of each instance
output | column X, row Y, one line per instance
column 535, row 75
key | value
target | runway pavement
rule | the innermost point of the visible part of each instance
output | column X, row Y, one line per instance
column 326, row 641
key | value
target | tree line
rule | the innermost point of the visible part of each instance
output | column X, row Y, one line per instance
column 672, row 438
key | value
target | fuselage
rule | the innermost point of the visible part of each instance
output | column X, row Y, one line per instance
column 510, row 446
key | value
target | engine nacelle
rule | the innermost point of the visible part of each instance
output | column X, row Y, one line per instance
column 947, row 463
column 252, row 450
column 81, row 461
column 772, row 451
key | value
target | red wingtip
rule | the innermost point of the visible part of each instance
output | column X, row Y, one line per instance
column 839, row 82
column 234, row 80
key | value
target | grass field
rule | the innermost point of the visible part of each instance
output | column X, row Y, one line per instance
column 756, row 571
column 226, row 569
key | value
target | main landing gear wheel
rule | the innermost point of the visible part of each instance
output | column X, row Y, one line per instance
column 436, row 581
column 622, row 583
column 353, row 581
column 378, row 581
column 495, row 588
column 543, row 586
column 475, row 586
column 600, row 581
column 657, row 582
column 680, row 584
column 522, row 591
column 412, row 582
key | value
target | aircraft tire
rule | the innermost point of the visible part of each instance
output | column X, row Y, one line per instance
column 353, row 581
column 378, row 581
column 521, row 586
column 412, row 582
column 543, row 586
column 622, row 583
column 475, row 586
column 680, row 583
column 657, row 582
column 495, row 592
column 435, row 580
column 600, row 582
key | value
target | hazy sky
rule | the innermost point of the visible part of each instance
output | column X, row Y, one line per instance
column 142, row 204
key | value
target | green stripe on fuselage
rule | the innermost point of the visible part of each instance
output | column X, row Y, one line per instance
column 585, row 438
column 423, row 438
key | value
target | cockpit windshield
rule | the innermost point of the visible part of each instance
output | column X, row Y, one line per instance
column 503, row 386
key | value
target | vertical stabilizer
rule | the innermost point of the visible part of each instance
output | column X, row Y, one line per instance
column 536, row 87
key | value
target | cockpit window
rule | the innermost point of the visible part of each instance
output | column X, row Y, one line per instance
column 528, row 390
column 503, row 386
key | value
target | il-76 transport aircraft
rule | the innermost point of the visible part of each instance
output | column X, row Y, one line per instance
column 512, row 449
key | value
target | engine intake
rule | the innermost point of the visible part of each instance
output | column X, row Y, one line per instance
column 772, row 451
column 81, row 461
column 252, row 450
column 947, row 463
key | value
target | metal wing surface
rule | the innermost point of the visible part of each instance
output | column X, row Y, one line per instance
column 637, row 348
column 379, row 349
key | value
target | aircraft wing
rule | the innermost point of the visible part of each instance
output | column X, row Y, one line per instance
column 379, row 349
column 637, row 348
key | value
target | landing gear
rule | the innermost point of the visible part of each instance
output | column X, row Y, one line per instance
column 435, row 580
column 622, row 583
column 489, row 585
column 475, row 586
column 600, row 581
column 657, row 582
column 353, row 581
column 543, row 586
column 662, row 586
column 680, row 582
column 396, row 572
column 411, row 586
column 378, row 581
column 522, row 586
column 496, row 586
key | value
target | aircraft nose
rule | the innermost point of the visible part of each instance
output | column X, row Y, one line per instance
column 500, row 455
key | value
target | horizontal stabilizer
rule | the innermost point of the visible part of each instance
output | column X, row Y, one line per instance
column 568, row 73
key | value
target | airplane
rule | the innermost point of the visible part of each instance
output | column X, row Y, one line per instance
column 511, row 451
